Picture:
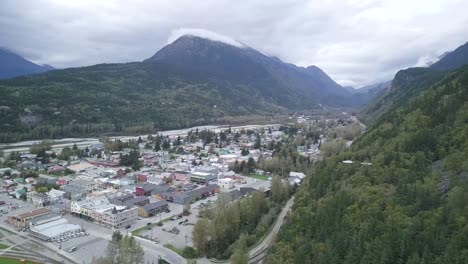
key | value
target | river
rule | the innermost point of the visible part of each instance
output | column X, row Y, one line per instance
column 58, row 144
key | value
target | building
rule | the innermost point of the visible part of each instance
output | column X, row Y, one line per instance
column 142, row 178
column 44, row 219
column 226, row 183
column 153, row 209
column 121, row 198
column 183, row 176
column 38, row 199
column 138, row 201
column 101, row 211
column 161, row 189
column 176, row 197
column 89, row 185
column 191, row 196
column 74, row 191
column 263, row 186
column 86, row 208
column 54, row 229
column 55, row 196
column 202, row 177
column 50, row 226
column 296, row 177
column 117, row 217
column 22, row 220
column 145, row 189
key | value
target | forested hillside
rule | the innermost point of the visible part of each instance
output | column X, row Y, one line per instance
column 192, row 81
column 120, row 98
column 409, row 206
column 406, row 84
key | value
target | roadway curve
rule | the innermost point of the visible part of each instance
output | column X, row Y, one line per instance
column 258, row 253
column 153, row 251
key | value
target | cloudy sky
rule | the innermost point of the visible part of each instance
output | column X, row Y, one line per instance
column 357, row 42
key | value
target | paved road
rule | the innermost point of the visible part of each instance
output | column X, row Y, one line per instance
column 257, row 253
column 34, row 247
column 58, row 144
column 152, row 250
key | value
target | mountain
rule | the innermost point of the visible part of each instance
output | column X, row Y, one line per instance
column 191, row 81
column 374, row 89
column 410, row 82
column 408, row 202
column 350, row 89
column 452, row 60
column 406, row 84
column 13, row 65
column 286, row 84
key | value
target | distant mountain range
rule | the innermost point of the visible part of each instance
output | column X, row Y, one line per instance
column 13, row 65
column 411, row 82
column 283, row 83
column 191, row 81
column 452, row 60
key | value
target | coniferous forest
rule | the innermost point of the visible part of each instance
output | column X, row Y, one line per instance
column 409, row 206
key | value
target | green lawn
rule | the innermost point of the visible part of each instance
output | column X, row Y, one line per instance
column 258, row 176
column 6, row 230
column 136, row 232
column 3, row 246
column 173, row 248
column 5, row 260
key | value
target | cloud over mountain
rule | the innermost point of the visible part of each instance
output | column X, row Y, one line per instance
column 203, row 33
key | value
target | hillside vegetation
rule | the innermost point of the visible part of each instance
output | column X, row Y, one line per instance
column 409, row 206
column 192, row 81
column 120, row 98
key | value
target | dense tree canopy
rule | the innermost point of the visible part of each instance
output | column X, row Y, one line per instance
column 408, row 206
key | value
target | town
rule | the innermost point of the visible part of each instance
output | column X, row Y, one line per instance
column 154, row 187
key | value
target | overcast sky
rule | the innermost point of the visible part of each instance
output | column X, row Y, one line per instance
column 356, row 42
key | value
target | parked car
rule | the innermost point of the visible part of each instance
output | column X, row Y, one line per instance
column 72, row 249
column 174, row 230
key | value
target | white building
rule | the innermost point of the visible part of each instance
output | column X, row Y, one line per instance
column 296, row 177
column 102, row 212
column 53, row 228
column 226, row 183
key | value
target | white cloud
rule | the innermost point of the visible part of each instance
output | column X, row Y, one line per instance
column 203, row 33
column 356, row 42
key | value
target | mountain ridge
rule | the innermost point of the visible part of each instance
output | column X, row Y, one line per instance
column 246, row 64
column 409, row 82
column 13, row 65
column 191, row 81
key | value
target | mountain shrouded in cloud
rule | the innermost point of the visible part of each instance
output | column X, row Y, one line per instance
column 357, row 43
column 203, row 33
column 13, row 65
column 194, row 80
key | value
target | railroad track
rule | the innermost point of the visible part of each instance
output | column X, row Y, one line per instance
column 258, row 256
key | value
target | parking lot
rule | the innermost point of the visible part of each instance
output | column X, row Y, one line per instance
column 162, row 234
column 87, row 247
